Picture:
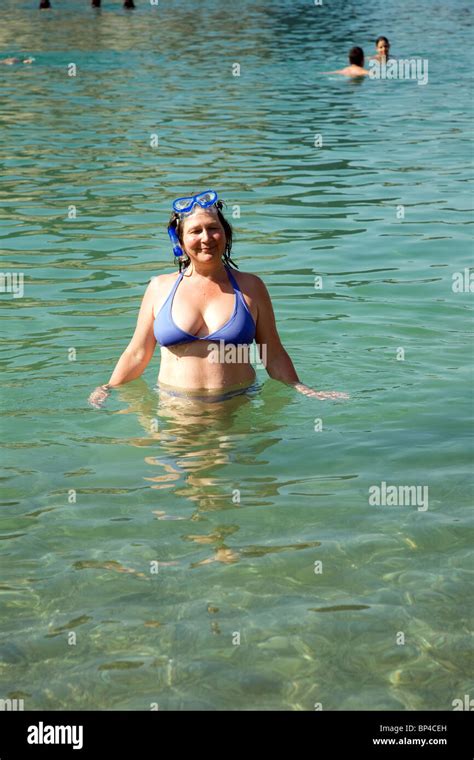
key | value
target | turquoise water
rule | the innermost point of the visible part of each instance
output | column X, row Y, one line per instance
column 236, row 502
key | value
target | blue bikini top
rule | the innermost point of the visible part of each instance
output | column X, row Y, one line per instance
column 240, row 328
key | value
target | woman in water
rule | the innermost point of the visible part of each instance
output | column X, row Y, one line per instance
column 382, row 46
column 204, row 315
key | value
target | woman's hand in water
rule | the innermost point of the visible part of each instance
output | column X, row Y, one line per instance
column 99, row 396
column 307, row 391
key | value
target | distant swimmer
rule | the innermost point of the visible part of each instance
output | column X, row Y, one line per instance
column 11, row 61
column 382, row 46
column 356, row 68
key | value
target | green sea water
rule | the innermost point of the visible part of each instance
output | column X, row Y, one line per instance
column 228, row 556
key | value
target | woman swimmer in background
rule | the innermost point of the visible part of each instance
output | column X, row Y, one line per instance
column 382, row 46
column 205, row 303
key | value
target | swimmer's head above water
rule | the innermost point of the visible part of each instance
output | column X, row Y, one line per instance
column 356, row 56
column 198, row 226
column 382, row 45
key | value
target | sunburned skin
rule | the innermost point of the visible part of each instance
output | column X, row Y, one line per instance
column 356, row 64
column 351, row 71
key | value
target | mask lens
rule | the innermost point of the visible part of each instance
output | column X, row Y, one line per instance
column 183, row 204
column 206, row 199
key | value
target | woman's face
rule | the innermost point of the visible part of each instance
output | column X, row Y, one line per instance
column 204, row 236
column 383, row 48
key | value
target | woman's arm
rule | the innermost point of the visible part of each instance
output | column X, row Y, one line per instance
column 278, row 364
column 139, row 351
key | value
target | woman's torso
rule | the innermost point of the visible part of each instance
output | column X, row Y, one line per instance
column 201, row 307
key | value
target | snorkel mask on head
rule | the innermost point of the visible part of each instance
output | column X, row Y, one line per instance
column 185, row 207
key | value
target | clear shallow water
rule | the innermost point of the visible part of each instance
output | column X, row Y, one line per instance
column 156, row 481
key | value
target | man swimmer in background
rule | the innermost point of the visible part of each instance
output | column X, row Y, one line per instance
column 356, row 64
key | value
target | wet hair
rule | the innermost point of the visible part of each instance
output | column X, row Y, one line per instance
column 381, row 39
column 177, row 223
column 356, row 56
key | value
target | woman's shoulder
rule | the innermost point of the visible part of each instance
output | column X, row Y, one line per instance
column 247, row 280
column 160, row 281
column 160, row 285
column 166, row 277
column 158, row 289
